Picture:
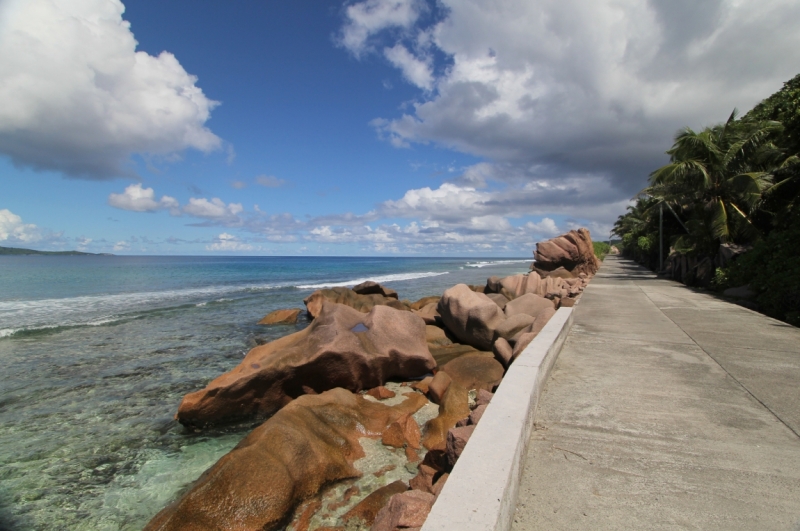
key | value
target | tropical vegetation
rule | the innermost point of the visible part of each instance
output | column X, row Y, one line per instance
column 734, row 185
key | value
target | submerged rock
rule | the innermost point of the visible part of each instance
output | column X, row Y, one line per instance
column 341, row 348
column 307, row 444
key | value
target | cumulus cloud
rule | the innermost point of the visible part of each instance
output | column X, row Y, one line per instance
column 364, row 19
column 13, row 230
column 586, row 90
column 215, row 209
column 138, row 199
column 417, row 71
column 228, row 242
column 270, row 181
column 83, row 98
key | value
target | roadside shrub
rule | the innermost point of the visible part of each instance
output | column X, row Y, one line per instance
column 772, row 270
column 601, row 249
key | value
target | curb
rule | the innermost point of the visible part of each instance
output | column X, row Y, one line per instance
column 481, row 492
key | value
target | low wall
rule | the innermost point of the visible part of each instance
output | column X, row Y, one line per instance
column 481, row 492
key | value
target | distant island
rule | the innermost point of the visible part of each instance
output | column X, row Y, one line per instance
column 17, row 251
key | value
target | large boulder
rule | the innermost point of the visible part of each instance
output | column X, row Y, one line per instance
column 348, row 297
column 369, row 288
column 573, row 251
column 309, row 443
column 474, row 371
column 453, row 407
column 528, row 304
column 341, row 348
column 472, row 317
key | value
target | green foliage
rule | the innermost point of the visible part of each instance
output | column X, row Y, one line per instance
column 645, row 243
column 772, row 270
column 601, row 249
column 721, row 280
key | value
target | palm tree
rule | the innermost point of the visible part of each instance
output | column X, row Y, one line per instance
column 717, row 176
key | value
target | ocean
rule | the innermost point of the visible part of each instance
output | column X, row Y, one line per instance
column 97, row 352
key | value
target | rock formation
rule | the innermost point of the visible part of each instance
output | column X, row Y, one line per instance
column 308, row 443
column 281, row 317
column 341, row 348
column 472, row 317
column 361, row 302
column 573, row 251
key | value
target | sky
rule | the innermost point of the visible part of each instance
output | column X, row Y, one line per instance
column 361, row 127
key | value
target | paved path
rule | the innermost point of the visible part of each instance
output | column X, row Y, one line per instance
column 667, row 409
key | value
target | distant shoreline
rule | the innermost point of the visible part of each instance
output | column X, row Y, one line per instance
column 15, row 251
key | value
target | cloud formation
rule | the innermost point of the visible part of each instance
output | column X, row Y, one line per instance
column 84, row 98
column 270, row 181
column 228, row 242
column 13, row 230
column 138, row 199
column 580, row 91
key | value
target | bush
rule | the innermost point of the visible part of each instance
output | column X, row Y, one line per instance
column 601, row 249
column 772, row 270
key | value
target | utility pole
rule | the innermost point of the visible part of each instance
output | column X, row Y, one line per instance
column 661, row 237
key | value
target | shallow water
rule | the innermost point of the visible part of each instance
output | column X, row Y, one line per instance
column 97, row 355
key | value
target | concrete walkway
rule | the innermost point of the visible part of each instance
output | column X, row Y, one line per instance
column 666, row 409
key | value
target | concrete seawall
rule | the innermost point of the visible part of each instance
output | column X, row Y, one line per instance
column 481, row 493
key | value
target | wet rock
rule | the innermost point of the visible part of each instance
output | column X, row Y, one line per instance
column 472, row 317
column 438, row 386
column 281, row 317
column 405, row 510
column 573, row 251
column 475, row 372
column 454, row 407
column 309, row 443
column 367, row 509
column 403, row 431
column 373, row 288
column 502, row 352
column 341, row 348
column 423, row 385
column 381, row 393
column 456, row 441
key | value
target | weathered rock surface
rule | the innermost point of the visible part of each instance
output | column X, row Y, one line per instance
column 348, row 297
column 341, row 348
column 573, row 251
column 502, row 351
column 367, row 509
column 472, row 317
column 371, row 288
column 528, row 304
column 424, row 301
column 381, row 393
column 308, row 443
column 429, row 313
column 454, row 407
column 499, row 299
column 474, row 372
column 456, row 441
column 402, row 432
column 281, row 317
column 438, row 386
column 407, row 510
column 424, row 479
column 483, row 398
column 513, row 324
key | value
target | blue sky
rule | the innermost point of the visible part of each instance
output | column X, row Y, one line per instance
column 360, row 127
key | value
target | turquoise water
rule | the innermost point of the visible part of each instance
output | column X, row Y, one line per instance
column 97, row 352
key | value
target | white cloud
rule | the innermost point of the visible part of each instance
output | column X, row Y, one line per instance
column 13, row 230
column 238, row 184
column 122, row 245
column 140, row 199
column 216, row 209
column 367, row 18
column 270, row 181
column 80, row 99
column 416, row 71
column 228, row 242
column 589, row 90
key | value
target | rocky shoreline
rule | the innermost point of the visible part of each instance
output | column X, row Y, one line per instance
column 369, row 407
